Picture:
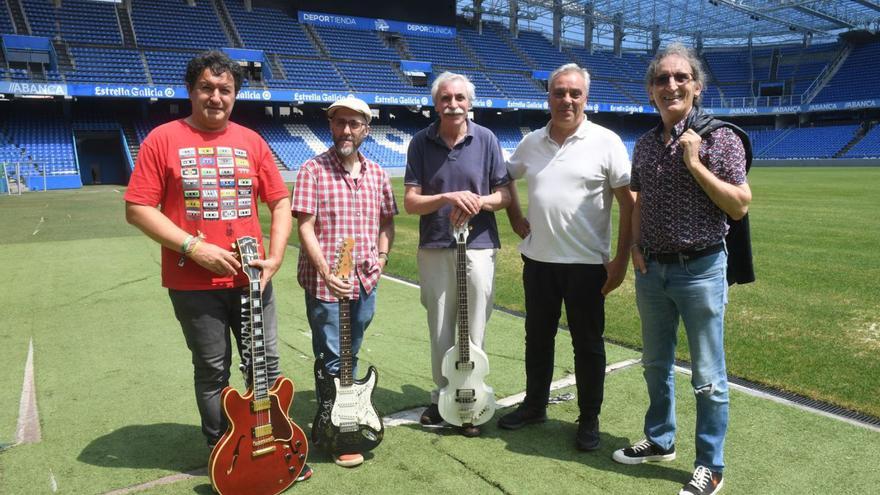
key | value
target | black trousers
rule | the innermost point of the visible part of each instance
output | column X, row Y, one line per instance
column 210, row 319
column 578, row 286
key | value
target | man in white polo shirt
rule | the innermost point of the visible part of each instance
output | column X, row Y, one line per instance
column 572, row 167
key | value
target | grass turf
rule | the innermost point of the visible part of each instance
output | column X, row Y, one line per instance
column 809, row 324
column 114, row 381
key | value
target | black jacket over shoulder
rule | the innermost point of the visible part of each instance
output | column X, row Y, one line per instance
column 740, row 269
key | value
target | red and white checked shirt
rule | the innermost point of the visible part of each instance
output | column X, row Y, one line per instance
column 343, row 207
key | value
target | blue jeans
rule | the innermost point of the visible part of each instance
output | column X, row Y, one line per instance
column 695, row 290
column 324, row 321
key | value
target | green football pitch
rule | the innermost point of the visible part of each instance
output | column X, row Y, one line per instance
column 113, row 378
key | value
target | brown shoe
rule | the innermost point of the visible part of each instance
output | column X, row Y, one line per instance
column 470, row 431
column 431, row 415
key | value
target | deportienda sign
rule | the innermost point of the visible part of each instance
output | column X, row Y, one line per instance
column 367, row 24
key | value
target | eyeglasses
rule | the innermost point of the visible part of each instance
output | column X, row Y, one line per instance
column 679, row 77
column 354, row 125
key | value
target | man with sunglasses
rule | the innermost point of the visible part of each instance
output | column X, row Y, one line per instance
column 573, row 168
column 685, row 187
column 341, row 194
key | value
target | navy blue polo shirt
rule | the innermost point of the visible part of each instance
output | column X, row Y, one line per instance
column 475, row 164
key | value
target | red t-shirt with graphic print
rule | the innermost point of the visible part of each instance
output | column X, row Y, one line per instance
column 205, row 182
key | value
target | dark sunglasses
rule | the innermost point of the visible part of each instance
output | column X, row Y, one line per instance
column 679, row 77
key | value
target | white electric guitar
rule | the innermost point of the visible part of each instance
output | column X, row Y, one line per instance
column 466, row 400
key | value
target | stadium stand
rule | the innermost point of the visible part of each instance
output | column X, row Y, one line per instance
column 490, row 50
column 438, row 51
column 97, row 65
column 352, row 44
column 75, row 21
column 270, row 30
column 811, row 142
column 315, row 59
column 195, row 26
column 45, row 143
column 868, row 146
column 849, row 83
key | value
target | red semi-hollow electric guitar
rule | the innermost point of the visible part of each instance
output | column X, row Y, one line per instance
column 262, row 451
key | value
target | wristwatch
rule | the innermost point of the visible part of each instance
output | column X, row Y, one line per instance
column 383, row 254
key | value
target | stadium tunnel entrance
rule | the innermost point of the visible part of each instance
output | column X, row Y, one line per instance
column 102, row 158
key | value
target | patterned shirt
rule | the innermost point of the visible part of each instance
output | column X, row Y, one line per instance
column 677, row 215
column 345, row 208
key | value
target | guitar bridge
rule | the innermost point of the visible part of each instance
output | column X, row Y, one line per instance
column 263, row 451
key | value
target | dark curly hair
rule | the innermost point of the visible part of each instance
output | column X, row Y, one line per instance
column 218, row 62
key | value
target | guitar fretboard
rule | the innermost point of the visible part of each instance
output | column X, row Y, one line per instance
column 259, row 370
column 346, row 373
column 464, row 339
column 253, row 338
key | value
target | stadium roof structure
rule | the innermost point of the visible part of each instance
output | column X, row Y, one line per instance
column 643, row 23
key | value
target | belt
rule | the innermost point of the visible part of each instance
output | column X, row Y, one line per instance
column 681, row 257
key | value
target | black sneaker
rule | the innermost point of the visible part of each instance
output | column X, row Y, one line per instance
column 644, row 451
column 587, row 438
column 431, row 415
column 704, row 482
column 522, row 416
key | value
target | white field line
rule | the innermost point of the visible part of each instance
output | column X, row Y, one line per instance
column 167, row 480
column 39, row 224
column 28, row 430
column 748, row 390
column 411, row 416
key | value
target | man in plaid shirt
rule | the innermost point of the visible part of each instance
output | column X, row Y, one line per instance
column 341, row 194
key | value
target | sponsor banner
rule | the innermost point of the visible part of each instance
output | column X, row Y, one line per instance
column 368, row 24
column 375, row 99
column 111, row 90
column 31, row 88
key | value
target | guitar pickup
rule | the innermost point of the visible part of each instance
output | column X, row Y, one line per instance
column 263, row 451
column 261, row 431
column 258, row 405
column 264, row 441
column 464, row 366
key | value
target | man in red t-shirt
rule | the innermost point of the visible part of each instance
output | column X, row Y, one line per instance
column 194, row 191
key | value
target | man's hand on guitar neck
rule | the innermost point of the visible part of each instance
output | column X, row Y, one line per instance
column 339, row 287
column 268, row 268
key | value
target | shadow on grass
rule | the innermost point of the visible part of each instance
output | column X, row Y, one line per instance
column 555, row 440
column 169, row 446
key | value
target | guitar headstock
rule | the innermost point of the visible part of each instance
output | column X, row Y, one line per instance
column 248, row 250
column 461, row 233
column 343, row 266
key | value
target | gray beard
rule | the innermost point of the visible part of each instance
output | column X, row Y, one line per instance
column 345, row 153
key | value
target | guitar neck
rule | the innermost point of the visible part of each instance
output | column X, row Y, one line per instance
column 464, row 351
column 346, row 371
column 259, row 371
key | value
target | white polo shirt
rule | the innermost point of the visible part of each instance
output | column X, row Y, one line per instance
column 570, row 193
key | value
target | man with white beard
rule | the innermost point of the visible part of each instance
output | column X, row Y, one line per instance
column 455, row 175
column 341, row 194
